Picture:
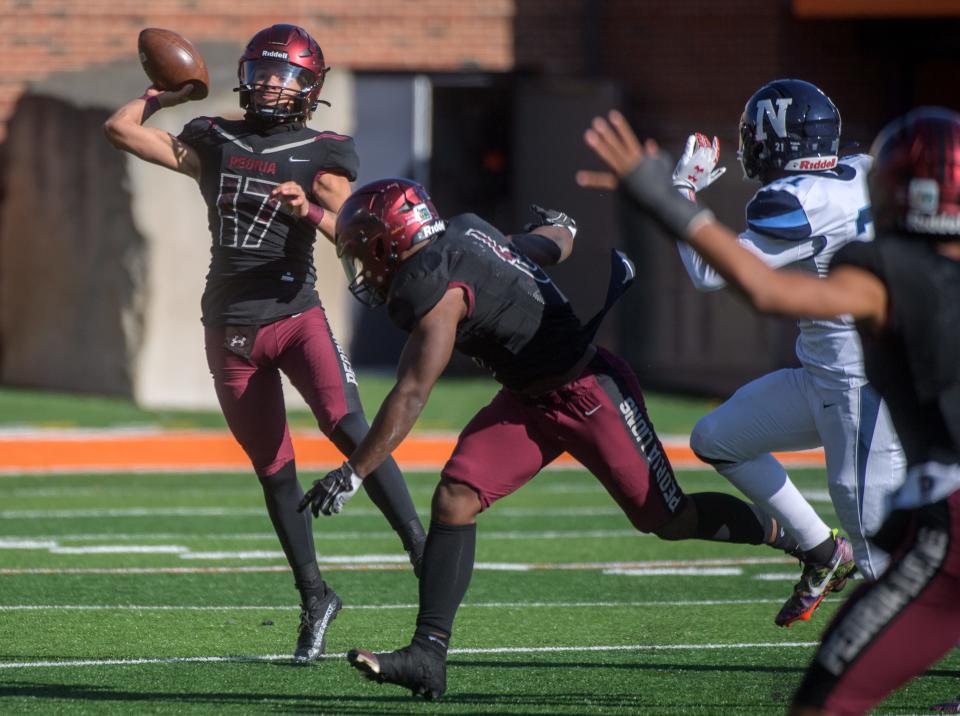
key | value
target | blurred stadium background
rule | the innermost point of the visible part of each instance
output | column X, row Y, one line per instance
column 102, row 258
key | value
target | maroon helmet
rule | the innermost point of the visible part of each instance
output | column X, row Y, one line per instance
column 915, row 181
column 281, row 73
column 375, row 225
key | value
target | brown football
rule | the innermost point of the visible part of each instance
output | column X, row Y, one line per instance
column 171, row 61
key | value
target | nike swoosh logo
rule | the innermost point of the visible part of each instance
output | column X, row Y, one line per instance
column 294, row 159
column 592, row 410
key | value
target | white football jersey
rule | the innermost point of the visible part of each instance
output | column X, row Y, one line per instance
column 801, row 221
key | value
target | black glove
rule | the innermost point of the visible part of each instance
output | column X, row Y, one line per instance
column 550, row 217
column 650, row 185
column 329, row 494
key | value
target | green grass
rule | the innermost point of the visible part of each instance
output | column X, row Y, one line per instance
column 452, row 403
column 666, row 668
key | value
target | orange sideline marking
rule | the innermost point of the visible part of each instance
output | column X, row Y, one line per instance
column 200, row 450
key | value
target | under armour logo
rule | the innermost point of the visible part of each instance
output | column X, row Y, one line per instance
column 238, row 341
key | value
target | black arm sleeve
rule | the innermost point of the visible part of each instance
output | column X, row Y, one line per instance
column 537, row 247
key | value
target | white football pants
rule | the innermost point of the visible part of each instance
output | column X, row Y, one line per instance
column 784, row 410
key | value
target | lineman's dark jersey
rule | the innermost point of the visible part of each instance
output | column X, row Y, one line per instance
column 261, row 267
column 915, row 361
column 518, row 325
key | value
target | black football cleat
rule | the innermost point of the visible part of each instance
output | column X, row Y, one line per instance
column 414, row 668
column 315, row 617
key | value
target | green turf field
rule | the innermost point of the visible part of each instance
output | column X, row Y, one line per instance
column 125, row 594
column 452, row 403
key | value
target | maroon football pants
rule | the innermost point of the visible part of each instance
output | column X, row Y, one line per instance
column 895, row 628
column 599, row 418
column 249, row 389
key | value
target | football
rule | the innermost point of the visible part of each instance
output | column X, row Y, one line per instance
column 171, row 61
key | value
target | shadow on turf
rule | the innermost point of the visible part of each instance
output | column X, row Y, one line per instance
column 660, row 666
column 395, row 702
column 306, row 702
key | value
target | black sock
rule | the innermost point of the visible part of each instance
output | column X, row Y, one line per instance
column 282, row 493
column 822, row 553
column 777, row 537
column 385, row 486
column 414, row 542
column 725, row 518
column 447, row 568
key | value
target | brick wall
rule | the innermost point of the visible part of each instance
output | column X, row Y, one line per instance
column 39, row 37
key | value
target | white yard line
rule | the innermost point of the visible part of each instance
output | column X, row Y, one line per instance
column 678, row 571
column 411, row 605
column 357, row 563
column 51, row 540
column 488, row 650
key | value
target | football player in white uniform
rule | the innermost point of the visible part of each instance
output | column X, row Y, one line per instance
column 811, row 203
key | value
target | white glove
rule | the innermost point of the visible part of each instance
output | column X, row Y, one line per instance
column 697, row 168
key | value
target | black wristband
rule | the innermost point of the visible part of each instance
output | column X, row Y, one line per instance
column 650, row 185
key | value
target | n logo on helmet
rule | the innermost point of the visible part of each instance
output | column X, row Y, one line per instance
column 778, row 118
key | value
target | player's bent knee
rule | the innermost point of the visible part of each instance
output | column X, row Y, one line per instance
column 455, row 503
column 705, row 441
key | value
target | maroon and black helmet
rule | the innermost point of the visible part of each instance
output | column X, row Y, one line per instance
column 915, row 180
column 281, row 74
column 375, row 226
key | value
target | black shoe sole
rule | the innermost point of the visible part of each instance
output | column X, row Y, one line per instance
column 367, row 664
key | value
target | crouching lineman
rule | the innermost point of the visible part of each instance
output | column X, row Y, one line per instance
column 463, row 284
column 903, row 291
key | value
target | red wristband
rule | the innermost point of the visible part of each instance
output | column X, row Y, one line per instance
column 314, row 215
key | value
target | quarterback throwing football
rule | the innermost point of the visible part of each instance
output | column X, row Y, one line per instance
column 260, row 309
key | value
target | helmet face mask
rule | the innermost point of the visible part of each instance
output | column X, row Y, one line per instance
column 276, row 89
column 788, row 126
column 280, row 74
column 915, row 179
column 376, row 225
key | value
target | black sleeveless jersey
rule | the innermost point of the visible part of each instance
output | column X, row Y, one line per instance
column 261, row 265
column 519, row 325
column 915, row 361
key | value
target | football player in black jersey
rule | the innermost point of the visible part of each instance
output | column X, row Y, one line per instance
column 269, row 183
column 463, row 284
column 903, row 290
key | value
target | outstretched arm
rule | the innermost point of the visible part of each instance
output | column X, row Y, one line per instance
column 422, row 362
column 645, row 177
column 125, row 130
column 424, row 358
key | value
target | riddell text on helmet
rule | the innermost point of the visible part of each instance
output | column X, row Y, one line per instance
column 810, row 164
column 933, row 223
